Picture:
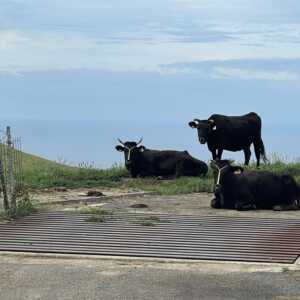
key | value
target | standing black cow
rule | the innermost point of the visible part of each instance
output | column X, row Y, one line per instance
column 145, row 162
column 245, row 190
column 232, row 134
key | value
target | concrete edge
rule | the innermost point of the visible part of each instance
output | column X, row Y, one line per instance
column 212, row 265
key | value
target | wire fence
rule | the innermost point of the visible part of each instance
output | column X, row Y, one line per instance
column 11, row 170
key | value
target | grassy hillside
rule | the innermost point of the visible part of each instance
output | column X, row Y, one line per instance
column 42, row 173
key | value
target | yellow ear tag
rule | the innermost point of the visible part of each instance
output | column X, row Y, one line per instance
column 237, row 172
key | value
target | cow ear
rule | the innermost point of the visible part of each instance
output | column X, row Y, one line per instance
column 193, row 124
column 142, row 148
column 120, row 148
column 237, row 170
column 212, row 124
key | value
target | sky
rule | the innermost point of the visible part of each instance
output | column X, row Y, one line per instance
column 161, row 61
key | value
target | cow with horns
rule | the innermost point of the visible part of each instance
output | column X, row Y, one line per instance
column 231, row 133
column 143, row 162
column 246, row 190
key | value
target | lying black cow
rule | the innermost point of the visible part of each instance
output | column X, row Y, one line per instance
column 232, row 134
column 245, row 190
column 145, row 162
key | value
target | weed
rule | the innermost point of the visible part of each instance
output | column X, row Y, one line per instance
column 147, row 223
column 96, row 219
column 154, row 218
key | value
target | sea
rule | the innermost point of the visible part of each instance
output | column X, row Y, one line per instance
column 93, row 142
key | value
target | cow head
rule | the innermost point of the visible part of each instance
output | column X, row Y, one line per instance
column 131, row 150
column 221, row 168
column 204, row 127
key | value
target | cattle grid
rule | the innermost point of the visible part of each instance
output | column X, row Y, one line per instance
column 170, row 236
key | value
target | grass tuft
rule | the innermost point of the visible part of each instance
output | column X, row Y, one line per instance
column 147, row 223
column 96, row 219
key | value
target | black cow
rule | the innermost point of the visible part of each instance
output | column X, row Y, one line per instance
column 245, row 190
column 145, row 162
column 232, row 134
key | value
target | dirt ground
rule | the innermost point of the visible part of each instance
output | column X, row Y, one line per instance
column 122, row 201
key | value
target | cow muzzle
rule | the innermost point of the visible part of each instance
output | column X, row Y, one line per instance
column 218, row 188
column 128, row 163
column 202, row 140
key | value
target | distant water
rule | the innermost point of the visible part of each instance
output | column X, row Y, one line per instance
column 94, row 141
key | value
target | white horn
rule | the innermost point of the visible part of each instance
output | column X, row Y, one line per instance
column 121, row 142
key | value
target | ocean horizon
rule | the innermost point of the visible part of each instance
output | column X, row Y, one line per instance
column 93, row 142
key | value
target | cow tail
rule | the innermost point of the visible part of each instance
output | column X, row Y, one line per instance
column 263, row 151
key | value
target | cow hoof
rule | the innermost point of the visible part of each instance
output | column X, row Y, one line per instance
column 277, row 208
column 241, row 207
column 215, row 203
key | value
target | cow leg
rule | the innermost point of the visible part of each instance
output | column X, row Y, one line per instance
column 247, row 153
column 220, row 152
column 215, row 203
column 282, row 207
column 245, row 202
column 257, row 153
column 214, row 154
column 244, row 206
column 179, row 171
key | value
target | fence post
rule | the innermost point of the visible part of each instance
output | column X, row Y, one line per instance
column 3, row 187
column 11, row 179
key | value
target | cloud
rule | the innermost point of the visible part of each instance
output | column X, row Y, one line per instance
column 241, row 11
column 242, row 69
column 245, row 74
column 23, row 51
column 141, row 36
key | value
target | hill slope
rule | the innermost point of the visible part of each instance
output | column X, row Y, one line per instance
column 43, row 173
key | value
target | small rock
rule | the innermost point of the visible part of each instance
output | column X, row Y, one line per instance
column 139, row 205
column 94, row 194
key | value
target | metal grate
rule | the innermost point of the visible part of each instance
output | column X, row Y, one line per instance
column 181, row 237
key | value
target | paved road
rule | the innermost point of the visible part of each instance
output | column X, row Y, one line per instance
column 64, row 279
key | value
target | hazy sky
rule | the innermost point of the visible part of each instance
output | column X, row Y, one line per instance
column 149, row 60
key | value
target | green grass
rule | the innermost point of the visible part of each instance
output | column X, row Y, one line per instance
column 97, row 215
column 41, row 173
column 280, row 165
column 182, row 185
